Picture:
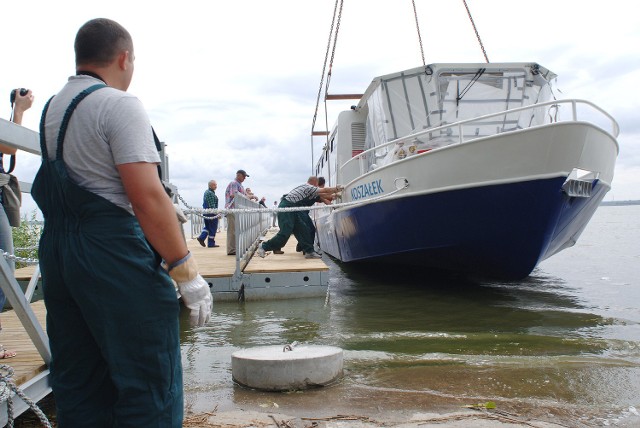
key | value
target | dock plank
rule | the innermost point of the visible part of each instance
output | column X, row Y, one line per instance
column 27, row 363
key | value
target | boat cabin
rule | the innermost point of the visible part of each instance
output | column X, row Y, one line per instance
column 412, row 112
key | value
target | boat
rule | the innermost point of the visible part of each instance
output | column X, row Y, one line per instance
column 474, row 168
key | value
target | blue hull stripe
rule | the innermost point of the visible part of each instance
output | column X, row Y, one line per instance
column 499, row 231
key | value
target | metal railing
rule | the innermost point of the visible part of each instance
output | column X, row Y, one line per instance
column 38, row 387
column 551, row 116
column 249, row 227
column 251, row 222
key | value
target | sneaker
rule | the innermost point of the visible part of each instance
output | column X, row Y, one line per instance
column 260, row 251
column 201, row 241
column 278, row 252
column 312, row 255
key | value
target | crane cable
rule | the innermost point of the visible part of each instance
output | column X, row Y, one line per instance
column 415, row 13
column 484, row 52
column 324, row 67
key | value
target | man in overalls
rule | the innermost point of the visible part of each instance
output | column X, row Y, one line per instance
column 112, row 311
column 293, row 222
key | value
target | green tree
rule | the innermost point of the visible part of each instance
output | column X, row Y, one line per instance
column 26, row 238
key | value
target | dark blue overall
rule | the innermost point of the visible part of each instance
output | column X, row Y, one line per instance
column 112, row 311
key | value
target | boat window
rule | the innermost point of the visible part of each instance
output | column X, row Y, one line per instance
column 409, row 102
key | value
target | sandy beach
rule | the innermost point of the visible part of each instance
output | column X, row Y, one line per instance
column 471, row 418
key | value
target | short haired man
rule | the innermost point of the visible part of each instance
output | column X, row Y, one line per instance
column 112, row 312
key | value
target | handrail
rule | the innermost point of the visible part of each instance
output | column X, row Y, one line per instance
column 249, row 227
column 460, row 124
column 14, row 135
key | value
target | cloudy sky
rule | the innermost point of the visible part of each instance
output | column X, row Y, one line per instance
column 233, row 84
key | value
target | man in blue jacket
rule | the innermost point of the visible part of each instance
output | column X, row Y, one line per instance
column 210, row 201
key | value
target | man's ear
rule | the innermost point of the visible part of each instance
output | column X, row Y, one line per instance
column 123, row 60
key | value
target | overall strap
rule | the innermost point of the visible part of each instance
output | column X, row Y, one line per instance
column 43, row 142
column 67, row 114
column 156, row 140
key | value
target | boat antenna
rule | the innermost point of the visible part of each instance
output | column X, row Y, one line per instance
column 336, row 12
column 415, row 13
column 484, row 52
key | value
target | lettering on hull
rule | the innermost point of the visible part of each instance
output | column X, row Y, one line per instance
column 367, row 190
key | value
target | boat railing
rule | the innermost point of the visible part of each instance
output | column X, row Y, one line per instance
column 467, row 130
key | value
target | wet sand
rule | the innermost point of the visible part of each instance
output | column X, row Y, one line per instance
column 479, row 419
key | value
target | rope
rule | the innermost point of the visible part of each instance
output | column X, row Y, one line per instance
column 15, row 258
column 415, row 13
column 484, row 52
column 200, row 211
column 35, row 247
column 6, row 386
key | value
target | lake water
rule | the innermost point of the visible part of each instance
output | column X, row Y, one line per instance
column 561, row 345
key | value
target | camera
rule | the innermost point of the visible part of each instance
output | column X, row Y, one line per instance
column 23, row 92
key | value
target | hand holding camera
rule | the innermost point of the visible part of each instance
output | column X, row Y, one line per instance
column 23, row 92
column 21, row 100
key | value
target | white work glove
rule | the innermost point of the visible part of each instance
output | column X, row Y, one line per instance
column 193, row 288
column 181, row 217
column 339, row 187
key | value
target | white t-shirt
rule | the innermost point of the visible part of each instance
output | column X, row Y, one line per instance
column 108, row 128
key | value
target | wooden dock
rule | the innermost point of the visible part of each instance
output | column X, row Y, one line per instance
column 27, row 363
column 277, row 276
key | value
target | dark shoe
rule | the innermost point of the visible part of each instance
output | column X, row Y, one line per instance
column 298, row 248
column 278, row 252
column 231, row 254
column 201, row 241
column 214, row 246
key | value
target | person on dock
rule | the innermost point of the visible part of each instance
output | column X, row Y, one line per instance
column 21, row 101
column 292, row 222
column 210, row 201
column 112, row 311
column 250, row 195
column 233, row 188
column 306, row 218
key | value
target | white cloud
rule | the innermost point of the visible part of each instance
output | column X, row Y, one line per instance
column 232, row 85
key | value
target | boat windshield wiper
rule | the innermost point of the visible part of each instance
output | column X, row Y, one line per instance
column 469, row 85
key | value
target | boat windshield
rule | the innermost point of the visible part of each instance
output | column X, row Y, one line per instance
column 428, row 97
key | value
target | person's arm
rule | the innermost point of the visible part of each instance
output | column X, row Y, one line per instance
column 325, row 199
column 154, row 209
column 22, row 103
column 327, row 191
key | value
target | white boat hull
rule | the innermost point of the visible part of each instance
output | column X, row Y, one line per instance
column 492, row 206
